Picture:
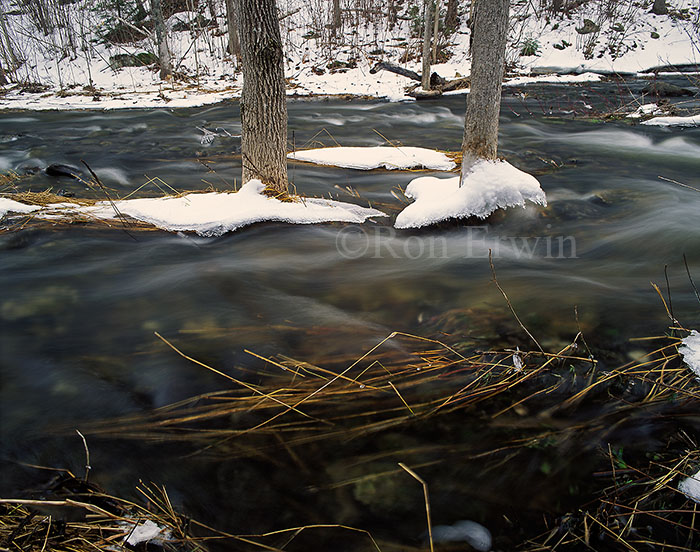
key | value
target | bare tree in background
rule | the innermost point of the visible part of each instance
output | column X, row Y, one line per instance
column 427, row 32
column 337, row 18
column 451, row 16
column 234, row 44
column 8, row 51
column 263, row 100
column 436, row 28
column 166, row 69
column 490, row 31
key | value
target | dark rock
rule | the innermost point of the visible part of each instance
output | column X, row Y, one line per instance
column 677, row 68
column 658, row 88
column 142, row 59
column 589, row 27
column 57, row 169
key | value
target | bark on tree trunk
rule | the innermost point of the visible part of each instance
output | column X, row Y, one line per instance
column 557, row 6
column 659, row 7
column 490, row 30
column 234, row 45
column 337, row 20
column 427, row 31
column 451, row 17
column 263, row 100
column 162, row 38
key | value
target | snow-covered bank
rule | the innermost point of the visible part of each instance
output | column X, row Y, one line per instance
column 626, row 39
column 488, row 186
column 400, row 157
column 691, row 121
column 207, row 214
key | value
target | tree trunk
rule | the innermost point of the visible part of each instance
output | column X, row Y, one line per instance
column 337, row 19
column 263, row 100
column 490, row 30
column 212, row 10
column 436, row 28
column 451, row 17
column 166, row 69
column 234, row 45
column 427, row 31
column 557, row 6
column 8, row 52
column 659, row 7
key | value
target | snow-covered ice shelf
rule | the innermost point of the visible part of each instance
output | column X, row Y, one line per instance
column 214, row 213
column 366, row 158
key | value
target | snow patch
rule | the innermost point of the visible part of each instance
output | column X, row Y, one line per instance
column 148, row 531
column 690, row 350
column 690, row 487
column 12, row 206
column 646, row 109
column 691, row 121
column 215, row 213
column 366, row 158
column 487, row 186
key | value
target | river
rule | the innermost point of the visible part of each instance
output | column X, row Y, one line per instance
column 80, row 305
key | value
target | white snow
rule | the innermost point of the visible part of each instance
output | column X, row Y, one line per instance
column 624, row 43
column 12, row 206
column 553, row 79
column 487, row 186
column 646, row 109
column 366, row 158
column 215, row 213
column 690, row 487
column 148, row 531
column 691, row 121
column 690, row 350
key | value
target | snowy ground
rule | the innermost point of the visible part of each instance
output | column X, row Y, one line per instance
column 629, row 40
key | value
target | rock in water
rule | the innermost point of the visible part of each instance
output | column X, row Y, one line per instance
column 478, row 536
column 57, row 169
column 659, row 88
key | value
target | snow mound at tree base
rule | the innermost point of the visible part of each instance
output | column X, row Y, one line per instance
column 487, row 186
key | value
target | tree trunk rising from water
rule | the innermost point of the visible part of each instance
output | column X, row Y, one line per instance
column 263, row 100
column 490, row 31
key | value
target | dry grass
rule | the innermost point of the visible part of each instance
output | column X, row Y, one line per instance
column 388, row 390
column 406, row 381
column 84, row 519
column 47, row 198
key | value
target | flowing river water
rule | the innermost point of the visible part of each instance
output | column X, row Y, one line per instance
column 80, row 305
